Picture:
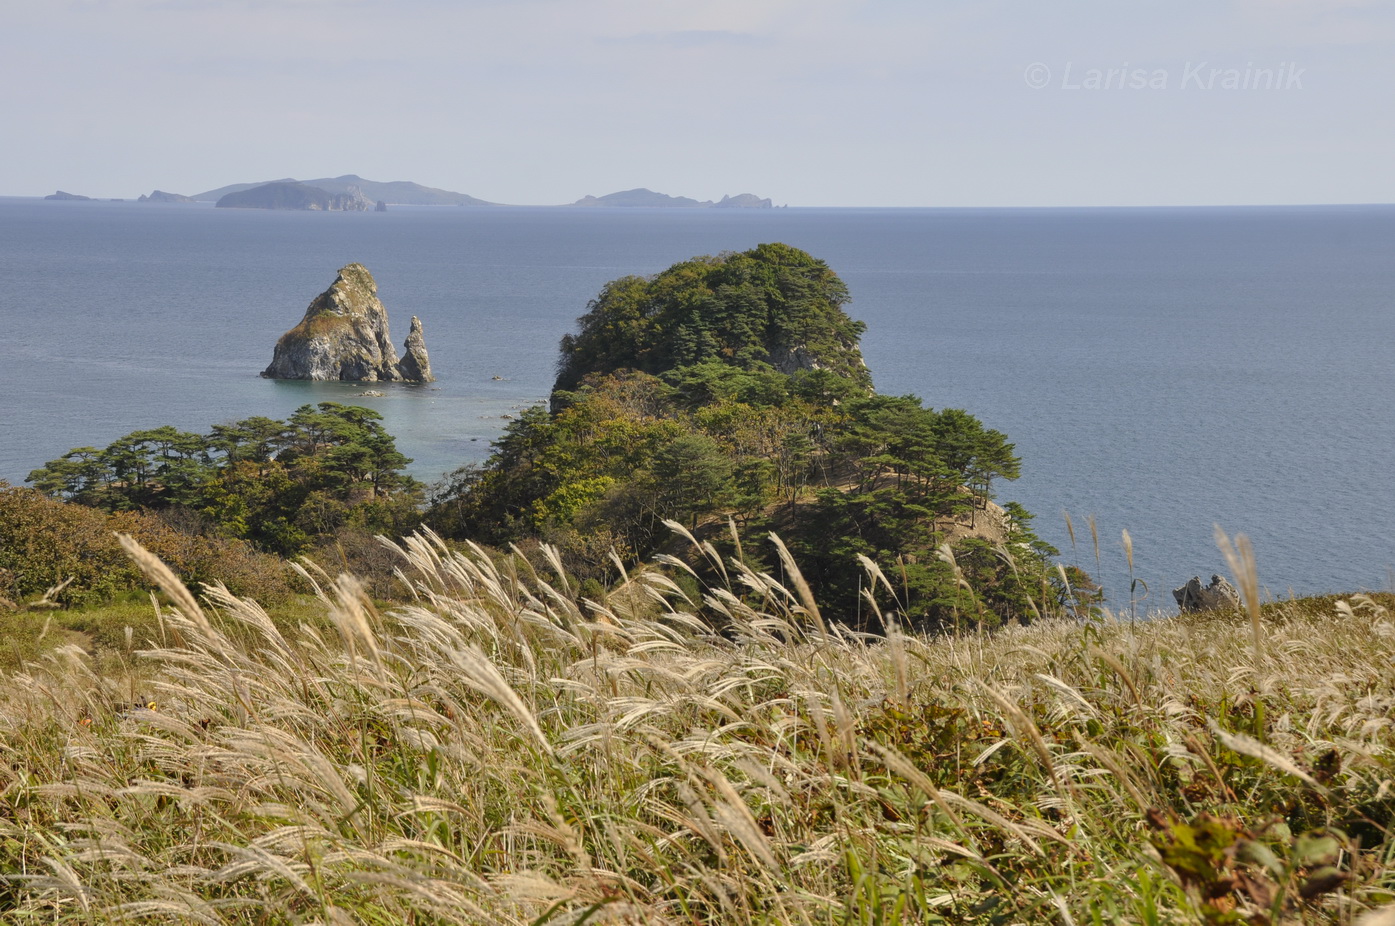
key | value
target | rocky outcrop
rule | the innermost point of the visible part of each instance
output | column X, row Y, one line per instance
column 160, row 196
column 791, row 359
column 1193, row 597
column 344, row 336
column 415, row 365
column 73, row 197
column 296, row 196
column 355, row 201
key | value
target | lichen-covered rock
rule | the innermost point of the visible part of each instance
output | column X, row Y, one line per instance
column 1193, row 597
column 344, row 336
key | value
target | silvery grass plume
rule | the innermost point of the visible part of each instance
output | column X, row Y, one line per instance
column 498, row 750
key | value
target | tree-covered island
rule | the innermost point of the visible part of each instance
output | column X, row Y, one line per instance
column 731, row 390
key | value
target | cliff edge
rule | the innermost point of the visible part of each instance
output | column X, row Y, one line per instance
column 344, row 336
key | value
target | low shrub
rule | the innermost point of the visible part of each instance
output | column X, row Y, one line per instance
column 45, row 542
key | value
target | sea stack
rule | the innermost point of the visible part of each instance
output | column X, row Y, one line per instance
column 344, row 336
column 416, row 366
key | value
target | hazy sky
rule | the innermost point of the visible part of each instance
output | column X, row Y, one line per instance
column 811, row 102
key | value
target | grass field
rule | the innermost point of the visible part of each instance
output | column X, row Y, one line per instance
column 497, row 751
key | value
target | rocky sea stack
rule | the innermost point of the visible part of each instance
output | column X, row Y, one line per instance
column 344, row 336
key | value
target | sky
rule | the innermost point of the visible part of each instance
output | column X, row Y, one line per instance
column 809, row 102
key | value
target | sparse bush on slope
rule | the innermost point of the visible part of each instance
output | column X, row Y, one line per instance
column 45, row 543
column 497, row 752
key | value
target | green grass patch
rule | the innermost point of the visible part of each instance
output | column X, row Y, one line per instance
column 112, row 632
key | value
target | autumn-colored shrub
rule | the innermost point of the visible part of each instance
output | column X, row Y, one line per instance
column 45, row 542
column 200, row 557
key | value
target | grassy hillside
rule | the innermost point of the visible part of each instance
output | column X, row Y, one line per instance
column 498, row 751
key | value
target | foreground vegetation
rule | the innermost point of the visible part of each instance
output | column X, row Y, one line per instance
column 497, row 751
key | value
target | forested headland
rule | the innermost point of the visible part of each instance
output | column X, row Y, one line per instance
column 728, row 394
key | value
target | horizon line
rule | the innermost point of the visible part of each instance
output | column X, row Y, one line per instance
column 1016, row 206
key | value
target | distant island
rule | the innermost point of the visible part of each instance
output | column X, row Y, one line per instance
column 352, row 193
column 648, row 198
column 281, row 195
column 160, row 196
column 744, row 201
column 640, row 197
column 395, row 192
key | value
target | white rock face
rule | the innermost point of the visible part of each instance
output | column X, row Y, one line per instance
column 344, row 336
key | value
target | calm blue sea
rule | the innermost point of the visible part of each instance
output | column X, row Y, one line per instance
column 1160, row 369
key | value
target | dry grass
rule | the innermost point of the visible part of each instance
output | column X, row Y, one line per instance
column 500, row 752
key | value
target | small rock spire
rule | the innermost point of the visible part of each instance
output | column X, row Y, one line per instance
column 415, row 365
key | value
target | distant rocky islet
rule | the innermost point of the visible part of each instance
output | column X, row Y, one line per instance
column 160, row 196
column 642, row 197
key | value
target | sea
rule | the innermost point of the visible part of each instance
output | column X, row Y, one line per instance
column 1160, row 371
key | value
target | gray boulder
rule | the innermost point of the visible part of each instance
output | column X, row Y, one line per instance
column 1194, row 597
